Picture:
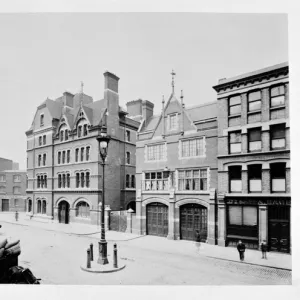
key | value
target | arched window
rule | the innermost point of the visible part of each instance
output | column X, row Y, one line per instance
column 44, row 159
column 44, row 208
column 81, row 154
column 40, row 141
column 82, row 179
column 64, row 157
column 128, row 158
column 133, row 181
column 127, row 180
column 68, row 156
column 68, row 180
column 79, row 131
column 85, row 131
column 42, row 120
column 45, row 181
column 87, row 153
column 82, row 210
column 77, row 180
column 87, row 176
column 58, row 157
column 59, row 180
column 39, row 206
column 66, row 135
column 61, row 135
column 76, row 154
column 64, row 180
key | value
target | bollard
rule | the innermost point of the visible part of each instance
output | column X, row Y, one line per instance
column 92, row 252
column 17, row 216
column 115, row 256
column 88, row 263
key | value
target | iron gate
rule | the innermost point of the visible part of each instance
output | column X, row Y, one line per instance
column 157, row 219
column 193, row 217
column 118, row 220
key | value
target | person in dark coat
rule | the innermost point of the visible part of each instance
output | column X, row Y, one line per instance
column 241, row 248
column 197, row 239
column 264, row 248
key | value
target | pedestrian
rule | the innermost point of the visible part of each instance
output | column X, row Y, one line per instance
column 17, row 215
column 241, row 248
column 197, row 239
column 263, row 248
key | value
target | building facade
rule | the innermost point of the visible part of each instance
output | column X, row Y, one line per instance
column 12, row 190
column 177, row 170
column 63, row 162
column 254, row 192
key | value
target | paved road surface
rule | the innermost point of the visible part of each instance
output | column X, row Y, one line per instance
column 56, row 258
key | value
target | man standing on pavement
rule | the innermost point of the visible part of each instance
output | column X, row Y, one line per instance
column 197, row 239
column 263, row 247
column 241, row 248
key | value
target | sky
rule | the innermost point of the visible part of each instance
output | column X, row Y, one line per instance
column 44, row 54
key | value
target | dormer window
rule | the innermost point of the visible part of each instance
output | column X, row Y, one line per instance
column 79, row 131
column 42, row 120
column 66, row 135
column 61, row 135
column 173, row 121
column 85, row 132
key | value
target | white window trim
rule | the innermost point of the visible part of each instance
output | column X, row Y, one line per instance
column 169, row 122
column 165, row 154
column 194, row 138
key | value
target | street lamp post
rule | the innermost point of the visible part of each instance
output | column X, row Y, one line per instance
column 103, row 140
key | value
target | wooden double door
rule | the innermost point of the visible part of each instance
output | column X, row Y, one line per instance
column 279, row 228
column 157, row 219
column 63, row 212
column 193, row 217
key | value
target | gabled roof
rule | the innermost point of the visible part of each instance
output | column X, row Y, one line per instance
column 54, row 108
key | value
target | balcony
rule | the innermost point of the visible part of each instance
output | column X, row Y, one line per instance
column 155, row 185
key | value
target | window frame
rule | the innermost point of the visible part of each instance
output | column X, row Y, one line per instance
column 233, row 105
column 277, row 96
column 160, row 156
column 42, row 120
column 253, row 101
column 127, row 135
column 251, row 130
column 233, row 177
column 191, row 180
column 234, row 143
column 272, row 131
column 191, row 145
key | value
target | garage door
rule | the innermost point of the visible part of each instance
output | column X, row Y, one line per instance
column 5, row 204
column 193, row 217
column 157, row 219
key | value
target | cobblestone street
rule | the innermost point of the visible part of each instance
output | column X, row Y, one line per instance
column 55, row 257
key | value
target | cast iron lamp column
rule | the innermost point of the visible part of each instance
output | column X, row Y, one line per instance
column 103, row 141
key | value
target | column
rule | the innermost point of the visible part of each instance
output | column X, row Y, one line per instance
column 244, row 179
column 171, row 233
column 129, row 221
column 138, row 202
column 263, row 224
column 211, row 222
column 265, row 103
column 221, row 221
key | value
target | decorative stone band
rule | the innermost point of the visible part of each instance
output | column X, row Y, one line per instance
column 279, row 202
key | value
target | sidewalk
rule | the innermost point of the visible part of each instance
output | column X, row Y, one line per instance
column 182, row 247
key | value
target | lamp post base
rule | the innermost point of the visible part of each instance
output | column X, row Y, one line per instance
column 102, row 260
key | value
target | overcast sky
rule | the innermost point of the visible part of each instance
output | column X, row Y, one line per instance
column 42, row 55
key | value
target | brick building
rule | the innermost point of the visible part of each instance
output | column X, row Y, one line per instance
column 254, row 193
column 63, row 161
column 176, row 170
column 12, row 186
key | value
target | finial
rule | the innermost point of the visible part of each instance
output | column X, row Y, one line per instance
column 181, row 94
column 82, row 87
column 81, row 96
column 173, row 74
column 163, row 99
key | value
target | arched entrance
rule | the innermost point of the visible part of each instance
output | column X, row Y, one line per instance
column 63, row 212
column 192, row 217
column 157, row 219
column 131, row 205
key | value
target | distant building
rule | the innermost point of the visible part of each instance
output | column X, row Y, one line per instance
column 12, row 187
column 63, row 161
column 254, row 191
column 176, row 170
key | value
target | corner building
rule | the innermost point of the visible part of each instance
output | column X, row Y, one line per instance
column 63, row 162
column 177, row 170
column 254, row 192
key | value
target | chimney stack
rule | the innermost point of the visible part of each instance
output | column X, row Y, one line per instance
column 140, row 109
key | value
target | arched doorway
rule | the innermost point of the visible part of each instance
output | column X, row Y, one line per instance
column 192, row 217
column 63, row 212
column 157, row 219
column 131, row 205
column 29, row 205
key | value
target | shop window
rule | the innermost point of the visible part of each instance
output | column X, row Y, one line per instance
column 235, row 105
column 254, row 177
column 254, row 101
column 235, row 179
column 277, row 96
column 82, row 210
column 278, row 177
column 277, row 133
column 254, row 139
column 235, row 142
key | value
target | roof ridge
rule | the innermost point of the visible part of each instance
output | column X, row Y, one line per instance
column 201, row 105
